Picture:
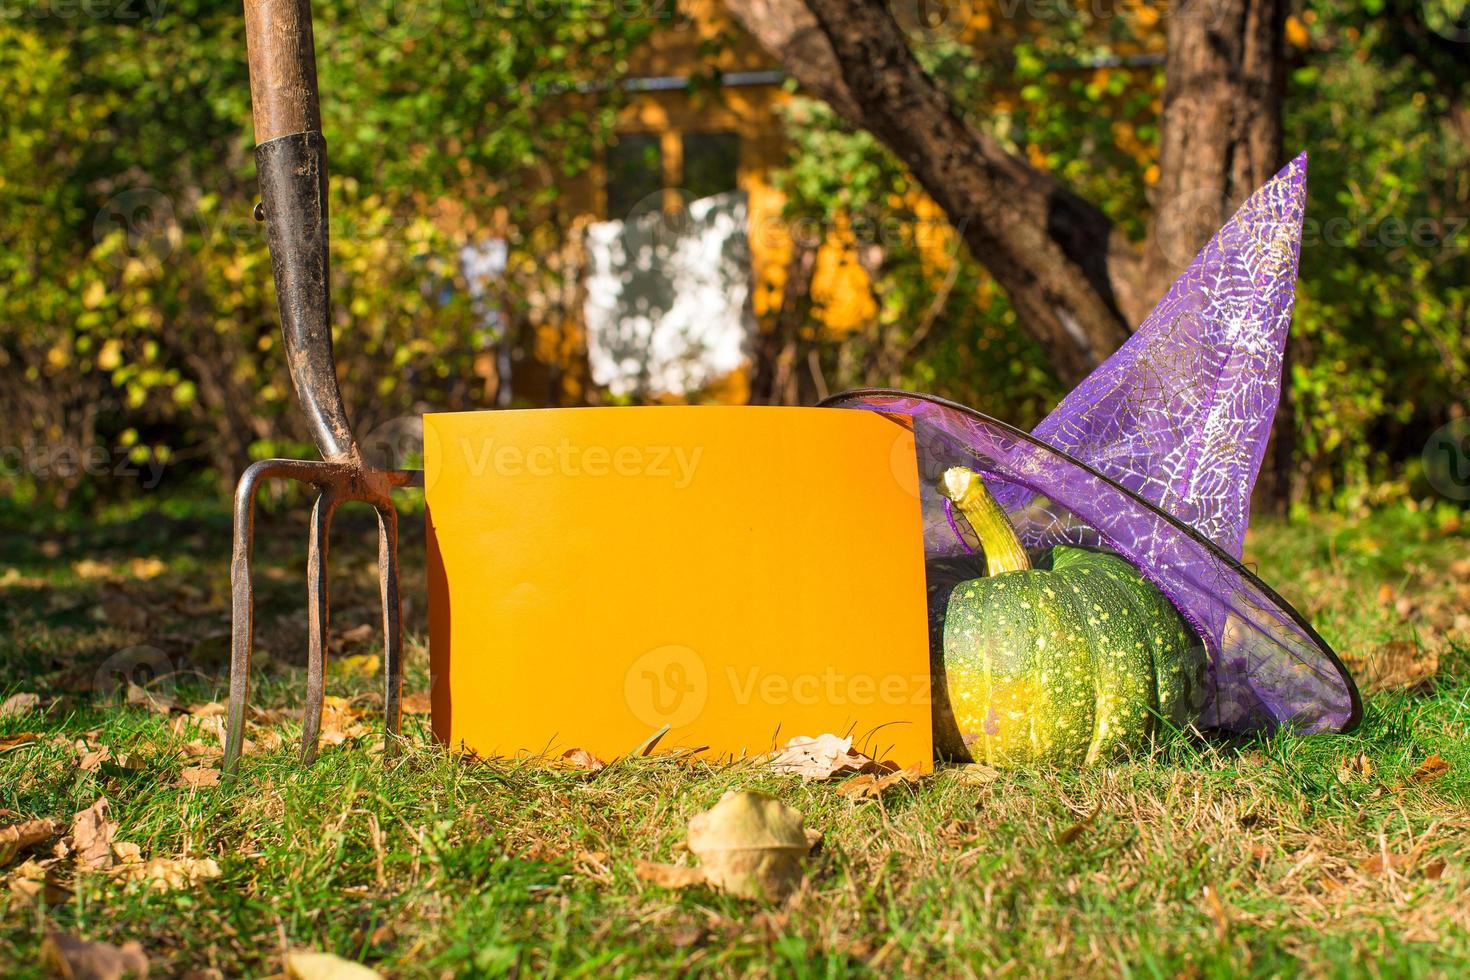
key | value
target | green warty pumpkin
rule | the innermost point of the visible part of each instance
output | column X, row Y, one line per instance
column 1070, row 664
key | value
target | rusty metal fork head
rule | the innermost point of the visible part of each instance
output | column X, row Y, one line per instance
column 336, row 483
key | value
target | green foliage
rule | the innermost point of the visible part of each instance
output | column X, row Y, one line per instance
column 1384, row 354
column 136, row 308
column 137, row 322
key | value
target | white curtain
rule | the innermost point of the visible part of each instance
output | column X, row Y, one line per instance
column 667, row 307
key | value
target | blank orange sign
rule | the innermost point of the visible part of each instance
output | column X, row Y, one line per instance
column 741, row 575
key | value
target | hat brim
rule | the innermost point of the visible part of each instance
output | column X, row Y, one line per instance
column 1267, row 667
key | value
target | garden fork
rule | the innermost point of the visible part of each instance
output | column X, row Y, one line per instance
column 291, row 163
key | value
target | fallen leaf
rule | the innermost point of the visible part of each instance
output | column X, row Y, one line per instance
column 341, row 721
column 126, row 852
column 357, row 665
column 1396, row 665
column 820, row 758
column 1076, row 830
column 198, row 777
column 582, row 759
column 146, row 568
column 310, row 965
column 1216, row 907
column 1429, row 770
column 814, row 840
column 210, row 709
column 17, row 739
column 17, row 837
column 168, row 874
column 416, row 704
column 121, row 612
column 870, row 787
column 91, row 568
column 1379, row 863
column 92, row 759
column 976, row 774
column 29, row 878
column 154, row 701
column 958, row 830
column 1434, row 870
column 668, row 875
column 73, row 958
column 19, row 704
column 91, row 832
column 354, row 636
column 750, row 845
column 1355, row 766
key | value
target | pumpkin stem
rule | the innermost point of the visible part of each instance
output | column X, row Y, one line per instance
column 1003, row 550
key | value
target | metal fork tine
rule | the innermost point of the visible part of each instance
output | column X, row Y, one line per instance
column 242, row 633
column 318, row 598
column 392, row 627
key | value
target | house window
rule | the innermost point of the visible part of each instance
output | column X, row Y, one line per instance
column 711, row 163
column 685, row 167
column 635, row 170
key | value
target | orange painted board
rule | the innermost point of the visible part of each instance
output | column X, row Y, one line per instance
column 742, row 574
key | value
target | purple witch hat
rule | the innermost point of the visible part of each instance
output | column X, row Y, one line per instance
column 1154, row 455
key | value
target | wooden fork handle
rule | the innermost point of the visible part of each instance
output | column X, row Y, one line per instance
column 282, row 58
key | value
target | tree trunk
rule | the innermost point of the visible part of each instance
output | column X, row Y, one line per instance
column 1078, row 285
column 1220, row 130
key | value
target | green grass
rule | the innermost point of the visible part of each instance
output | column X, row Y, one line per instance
column 1203, row 860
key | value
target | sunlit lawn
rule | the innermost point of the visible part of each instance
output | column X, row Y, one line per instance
column 1261, row 858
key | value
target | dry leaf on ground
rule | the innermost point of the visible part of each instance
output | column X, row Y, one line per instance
column 91, row 832
column 357, row 665
column 155, row 701
column 77, row 959
column 199, row 777
column 167, row 874
column 1077, row 829
column 309, row 965
column 1396, row 665
column 29, row 878
column 1355, row 766
column 871, row 787
column 1430, row 769
column 976, row 774
column 417, row 703
column 820, row 758
column 668, row 875
column 19, row 704
column 750, row 845
column 582, row 759
column 16, row 740
column 1379, row 863
column 18, row 837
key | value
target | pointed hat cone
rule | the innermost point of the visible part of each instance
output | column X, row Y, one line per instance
column 1155, row 454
